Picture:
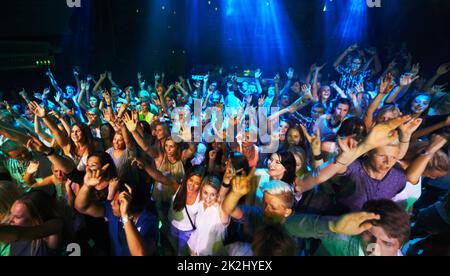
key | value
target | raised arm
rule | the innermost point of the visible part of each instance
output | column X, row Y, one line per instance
column 376, row 61
column 386, row 86
column 10, row 234
column 277, row 90
column 141, row 82
column 66, row 164
column 381, row 135
column 169, row 90
column 84, row 202
column 99, row 83
column 406, row 131
column 258, row 75
column 13, row 134
column 111, row 80
column 442, row 70
column 341, row 92
column 131, row 125
column 290, row 109
column 39, row 132
column 240, row 187
column 22, row 121
column 315, row 89
column 415, row 171
column 156, row 175
column 427, row 131
column 76, row 76
column 60, row 136
column 136, row 244
column 405, row 82
column 82, row 95
column 53, row 81
column 315, row 143
column 344, row 54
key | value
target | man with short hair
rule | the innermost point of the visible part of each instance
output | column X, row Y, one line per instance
column 330, row 123
column 380, row 229
column 278, row 202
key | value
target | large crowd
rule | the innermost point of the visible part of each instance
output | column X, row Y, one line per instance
column 225, row 165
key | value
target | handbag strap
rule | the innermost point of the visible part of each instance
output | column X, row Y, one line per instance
column 189, row 217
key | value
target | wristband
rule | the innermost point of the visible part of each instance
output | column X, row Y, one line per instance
column 318, row 157
column 226, row 185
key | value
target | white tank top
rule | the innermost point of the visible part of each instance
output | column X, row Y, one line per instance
column 180, row 220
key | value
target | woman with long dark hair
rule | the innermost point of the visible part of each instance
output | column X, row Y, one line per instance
column 180, row 222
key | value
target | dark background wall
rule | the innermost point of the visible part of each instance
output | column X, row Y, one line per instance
column 130, row 35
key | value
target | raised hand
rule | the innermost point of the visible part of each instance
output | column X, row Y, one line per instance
column 138, row 163
column 130, row 123
column 387, row 84
column 385, row 133
column 112, row 188
column 353, row 224
column 436, row 143
column 37, row 109
column 125, row 200
column 106, row 116
column 258, row 73
column 33, row 167
column 122, row 110
column 24, row 95
column 196, row 84
column 103, row 76
column 261, row 100
column 36, row 145
column 352, row 47
column 277, row 78
column 359, row 87
column 408, row 128
column 248, row 98
column 57, row 97
column 408, row 79
column 107, row 97
column 443, row 69
column 290, row 73
column 206, row 77
column 319, row 68
column 139, row 75
column 93, row 178
column 392, row 65
column 415, row 69
column 46, row 92
column 89, row 78
column 241, row 184
column 109, row 74
column 437, row 88
column 157, row 77
column 83, row 85
column 306, row 88
column 55, row 114
column 313, row 140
